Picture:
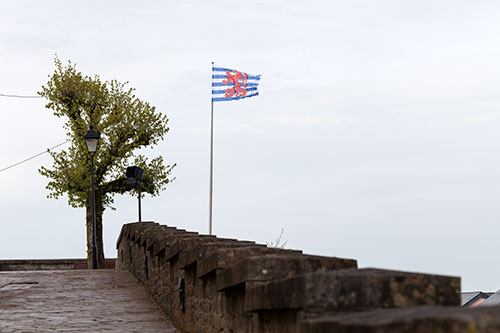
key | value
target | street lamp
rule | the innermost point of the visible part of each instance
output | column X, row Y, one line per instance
column 134, row 176
column 92, row 140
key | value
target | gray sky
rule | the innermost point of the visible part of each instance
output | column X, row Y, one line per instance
column 375, row 135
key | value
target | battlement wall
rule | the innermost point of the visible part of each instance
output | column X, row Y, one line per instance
column 209, row 284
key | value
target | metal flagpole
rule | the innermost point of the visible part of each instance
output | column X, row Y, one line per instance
column 211, row 163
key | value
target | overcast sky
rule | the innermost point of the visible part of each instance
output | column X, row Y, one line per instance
column 375, row 135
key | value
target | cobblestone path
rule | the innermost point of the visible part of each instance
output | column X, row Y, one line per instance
column 77, row 301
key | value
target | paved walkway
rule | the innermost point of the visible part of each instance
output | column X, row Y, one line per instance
column 77, row 301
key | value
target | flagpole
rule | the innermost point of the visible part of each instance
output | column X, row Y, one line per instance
column 211, row 162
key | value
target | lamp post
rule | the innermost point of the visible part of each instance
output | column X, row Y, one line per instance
column 92, row 140
column 134, row 177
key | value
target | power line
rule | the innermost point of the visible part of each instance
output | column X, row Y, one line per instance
column 20, row 96
column 32, row 157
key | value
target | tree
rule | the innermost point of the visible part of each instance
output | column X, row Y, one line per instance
column 125, row 123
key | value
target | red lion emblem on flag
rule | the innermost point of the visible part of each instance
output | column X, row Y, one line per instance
column 240, row 83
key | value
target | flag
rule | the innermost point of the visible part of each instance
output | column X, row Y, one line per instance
column 229, row 84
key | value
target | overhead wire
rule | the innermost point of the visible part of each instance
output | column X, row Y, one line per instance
column 32, row 157
column 20, row 96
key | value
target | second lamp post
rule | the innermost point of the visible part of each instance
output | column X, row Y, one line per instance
column 92, row 140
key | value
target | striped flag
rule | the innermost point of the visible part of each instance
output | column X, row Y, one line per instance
column 229, row 84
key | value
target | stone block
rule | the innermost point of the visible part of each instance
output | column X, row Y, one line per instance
column 354, row 290
column 185, row 243
column 129, row 228
column 425, row 319
column 277, row 266
column 152, row 236
column 229, row 256
column 166, row 238
column 205, row 249
column 137, row 231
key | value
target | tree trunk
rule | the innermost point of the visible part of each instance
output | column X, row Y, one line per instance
column 99, row 241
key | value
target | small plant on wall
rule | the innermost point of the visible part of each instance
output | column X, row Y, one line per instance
column 279, row 243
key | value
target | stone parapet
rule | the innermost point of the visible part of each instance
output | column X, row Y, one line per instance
column 424, row 319
column 351, row 290
column 273, row 266
column 49, row 264
column 209, row 284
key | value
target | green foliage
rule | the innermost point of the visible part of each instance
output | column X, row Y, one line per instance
column 125, row 123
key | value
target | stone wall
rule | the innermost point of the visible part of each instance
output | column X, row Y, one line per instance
column 49, row 264
column 209, row 284
column 36, row 264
